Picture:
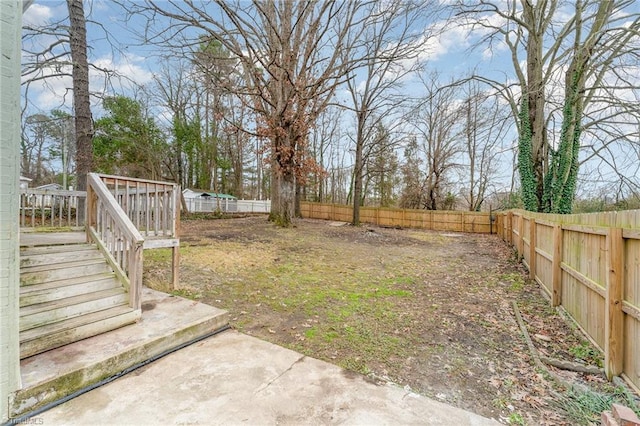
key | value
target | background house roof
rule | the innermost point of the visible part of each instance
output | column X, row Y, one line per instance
column 204, row 193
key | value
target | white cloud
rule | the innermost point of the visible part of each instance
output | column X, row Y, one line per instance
column 37, row 15
column 54, row 91
column 128, row 71
column 453, row 37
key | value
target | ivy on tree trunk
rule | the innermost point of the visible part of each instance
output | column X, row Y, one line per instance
column 525, row 159
column 560, row 181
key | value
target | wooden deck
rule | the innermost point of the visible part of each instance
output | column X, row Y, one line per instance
column 34, row 239
column 87, row 281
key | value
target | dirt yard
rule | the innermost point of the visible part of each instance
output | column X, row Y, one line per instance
column 426, row 310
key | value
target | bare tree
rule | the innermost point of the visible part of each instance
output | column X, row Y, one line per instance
column 435, row 123
column 485, row 128
column 393, row 39
column 593, row 46
column 171, row 89
column 47, row 57
column 381, row 170
column 292, row 58
column 325, row 138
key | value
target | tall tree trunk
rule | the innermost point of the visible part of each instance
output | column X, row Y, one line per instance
column 358, row 170
column 81, row 102
column 283, row 194
column 560, row 182
column 536, row 99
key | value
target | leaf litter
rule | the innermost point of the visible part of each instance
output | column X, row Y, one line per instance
column 428, row 311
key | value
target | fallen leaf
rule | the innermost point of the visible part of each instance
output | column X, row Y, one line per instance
column 542, row 337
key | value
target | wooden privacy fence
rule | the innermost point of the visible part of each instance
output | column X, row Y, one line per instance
column 458, row 221
column 590, row 265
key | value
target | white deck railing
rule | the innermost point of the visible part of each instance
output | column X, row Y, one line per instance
column 152, row 206
column 123, row 217
column 110, row 228
column 46, row 207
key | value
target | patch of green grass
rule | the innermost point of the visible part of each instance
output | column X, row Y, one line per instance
column 49, row 229
column 516, row 419
column 356, row 364
column 587, row 353
column 330, row 336
column 501, row 402
column 158, row 255
column 515, row 280
column 187, row 294
column 584, row 407
column 302, row 288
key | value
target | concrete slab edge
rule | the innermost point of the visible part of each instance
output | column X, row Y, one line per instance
column 25, row 401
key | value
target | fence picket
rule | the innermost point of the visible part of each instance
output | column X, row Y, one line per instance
column 595, row 264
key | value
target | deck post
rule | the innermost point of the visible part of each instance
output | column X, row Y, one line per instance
column 90, row 214
column 175, row 255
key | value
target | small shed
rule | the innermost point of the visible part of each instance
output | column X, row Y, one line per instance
column 47, row 195
column 50, row 187
column 24, row 182
column 198, row 200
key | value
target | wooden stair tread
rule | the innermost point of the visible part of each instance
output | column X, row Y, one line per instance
column 36, row 288
column 40, row 250
column 57, row 290
column 69, row 301
column 68, row 292
column 65, row 265
column 53, row 259
column 71, row 323
column 71, row 330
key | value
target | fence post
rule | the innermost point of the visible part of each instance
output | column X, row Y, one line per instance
column 532, row 248
column 556, row 294
column 614, row 317
column 510, row 227
column 521, row 235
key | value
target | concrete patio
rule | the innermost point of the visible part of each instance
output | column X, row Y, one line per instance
column 233, row 378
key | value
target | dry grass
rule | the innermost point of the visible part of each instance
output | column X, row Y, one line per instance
column 427, row 310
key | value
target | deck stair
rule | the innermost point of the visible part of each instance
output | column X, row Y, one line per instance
column 68, row 292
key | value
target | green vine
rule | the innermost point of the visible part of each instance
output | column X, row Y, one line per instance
column 525, row 159
column 561, row 179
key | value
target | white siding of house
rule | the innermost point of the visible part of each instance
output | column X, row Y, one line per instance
column 10, row 33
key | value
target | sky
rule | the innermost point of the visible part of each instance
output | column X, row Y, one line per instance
column 114, row 45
